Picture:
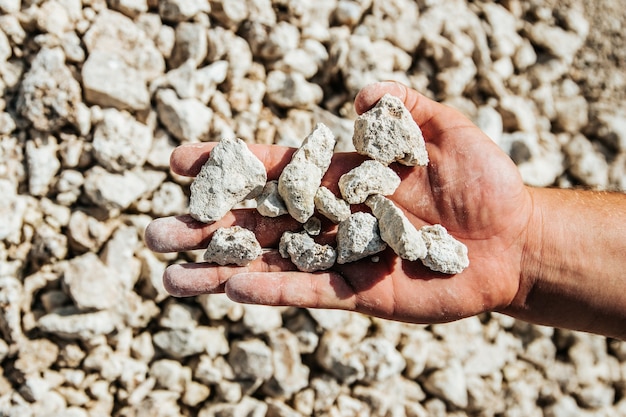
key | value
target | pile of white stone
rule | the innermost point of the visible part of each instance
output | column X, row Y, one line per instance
column 386, row 133
column 95, row 95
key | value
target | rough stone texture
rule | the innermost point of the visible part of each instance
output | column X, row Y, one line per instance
column 358, row 237
column 332, row 207
column 231, row 175
column 301, row 178
column 120, row 142
column 510, row 66
column 396, row 230
column 387, row 133
column 292, row 90
column 233, row 245
column 49, row 94
column 371, row 177
column 307, row 255
column 187, row 119
column 108, row 81
column 269, row 203
column 445, row 253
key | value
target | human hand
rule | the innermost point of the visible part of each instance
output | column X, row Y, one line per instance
column 470, row 186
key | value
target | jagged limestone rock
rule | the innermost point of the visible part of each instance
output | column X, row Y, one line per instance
column 371, row 177
column 301, row 178
column 231, row 175
column 307, row 255
column 269, row 203
column 335, row 209
column 388, row 133
column 396, row 229
column 445, row 253
column 357, row 237
column 233, row 245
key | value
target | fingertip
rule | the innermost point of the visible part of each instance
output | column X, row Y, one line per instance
column 153, row 236
column 240, row 288
column 187, row 159
column 370, row 94
column 187, row 280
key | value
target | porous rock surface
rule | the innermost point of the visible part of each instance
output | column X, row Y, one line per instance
column 511, row 66
column 358, row 237
column 388, row 133
column 233, row 245
column 231, row 175
column 371, row 177
column 443, row 252
column 269, row 203
column 305, row 253
column 396, row 230
column 332, row 207
column 300, row 179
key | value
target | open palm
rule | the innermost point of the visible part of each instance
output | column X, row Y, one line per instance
column 470, row 186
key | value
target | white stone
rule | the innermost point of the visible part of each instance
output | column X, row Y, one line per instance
column 190, row 44
column 169, row 199
column 380, row 358
column 42, row 163
column 108, row 81
column 112, row 33
column 186, row 119
column 396, row 230
column 289, row 374
column 180, row 10
column 120, row 142
column 444, row 253
column 233, row 245
column 131, row 8
column 336, row 354
column 269, row 203
column 585, row 163
column 170, row 375
column 307, row 255
column 358, row 237
column 201, row 84
column 387, row 133
column 49, row 94
column 113, row 191
column 371, row 177
column 231, row 175
column 180, row 343
column 87, row 281
column 449, row 384
column 292, row 90
column 69, row 323
column 251, row 359
column 332, row 207
column 300, row 179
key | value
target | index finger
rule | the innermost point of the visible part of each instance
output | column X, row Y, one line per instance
column 187, row 160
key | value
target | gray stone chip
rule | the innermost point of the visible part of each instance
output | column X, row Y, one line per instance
column 371, row 177
column 307, row 255
column 269, row 203
column 388, row 133
column 231, row 175
column 233, row 245
column 445, row 253
column 358, row 237
column 396, row 229
column 335, row 209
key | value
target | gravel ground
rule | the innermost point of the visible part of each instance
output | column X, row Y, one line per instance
column 96, row 94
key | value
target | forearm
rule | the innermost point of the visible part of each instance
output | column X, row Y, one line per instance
column 574, row 263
